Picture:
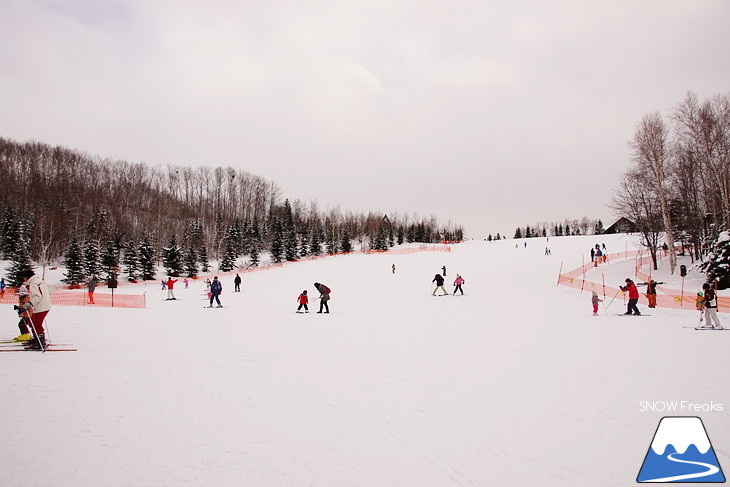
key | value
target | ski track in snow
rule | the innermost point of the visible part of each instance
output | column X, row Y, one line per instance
column 711, row 470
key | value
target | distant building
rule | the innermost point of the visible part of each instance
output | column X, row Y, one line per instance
column 623, row 225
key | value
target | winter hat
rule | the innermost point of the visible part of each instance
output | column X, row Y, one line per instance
column 22, row 290
column 628, row 280
column 705, row 286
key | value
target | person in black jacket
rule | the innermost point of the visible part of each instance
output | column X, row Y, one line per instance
column 439, row 284
column 237, row 284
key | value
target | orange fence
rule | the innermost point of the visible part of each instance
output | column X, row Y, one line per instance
column 666, row 298
column 79, row 297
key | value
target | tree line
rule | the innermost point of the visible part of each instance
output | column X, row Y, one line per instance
column 103, row 217
column 568, row 227
column 678, row 184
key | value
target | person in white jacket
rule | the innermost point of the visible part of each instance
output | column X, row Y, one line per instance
column 40, row 298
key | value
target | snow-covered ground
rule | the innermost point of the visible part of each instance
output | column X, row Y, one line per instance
column 514, row 384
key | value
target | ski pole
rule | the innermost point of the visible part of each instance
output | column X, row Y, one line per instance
column 604, row 307
column 614, row 297
column 35, row 334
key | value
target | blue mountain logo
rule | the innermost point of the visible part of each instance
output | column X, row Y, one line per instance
column 681, row 452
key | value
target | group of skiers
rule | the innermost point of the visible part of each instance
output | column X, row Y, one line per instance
column 439, row 280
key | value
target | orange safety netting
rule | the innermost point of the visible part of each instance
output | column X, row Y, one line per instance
column 665, row 298
column 79, row 297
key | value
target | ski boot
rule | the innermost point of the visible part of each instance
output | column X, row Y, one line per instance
column 38, row 342
column 22, row 338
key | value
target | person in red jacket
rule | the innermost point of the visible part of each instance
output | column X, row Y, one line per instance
column 170, row 284
column 303, row 299
column 633, row 297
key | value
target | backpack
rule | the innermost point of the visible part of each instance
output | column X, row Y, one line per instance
column 327, row 290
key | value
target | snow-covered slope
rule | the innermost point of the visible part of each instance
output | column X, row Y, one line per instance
column 515, row 383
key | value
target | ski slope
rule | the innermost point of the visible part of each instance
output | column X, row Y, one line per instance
column 513, row 384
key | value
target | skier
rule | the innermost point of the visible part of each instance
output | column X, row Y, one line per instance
column 170, row 285
column 393, row 268
column 303, row 299
column 237, row 284
column 163, row 285
column 40, row 298
column 710, row 302
column 457, row 283
column 216, row 288
column 207, row 288
column 651, row 293
column 2, row 287
column 439, row 284
column 593, row 254
column 633, row 297
column 443, row 268
column 595, row 300
column 324, row 296
column 91, row 287
column 186, row 282
column 25, row 311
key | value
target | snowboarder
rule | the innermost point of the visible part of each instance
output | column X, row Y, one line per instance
column 170, row 285
column 651, row 293
column 91, row 287
column 633, row 297
column 457, row 283
column 595, row 300
column 216, row 288
column 324, row 296
column 710, row 303
column 303, row 299
column 237, row 284
column 439, row 284
column 40, row 298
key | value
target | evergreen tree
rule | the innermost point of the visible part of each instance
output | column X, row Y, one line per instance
column 172, row 258
column 20, row 259
column 191, row 262
column 90, row 261
column 518, row 233
column 401, row 235
column 345, row 244
column 228, row 259
column 74, row 264
column 110, row 259
column 276, row 249
column 289, row 234
column 203, row 259
column 254, row 243
column 131, row 261
column 9, row 233
column 717, row 266
column 146, row 252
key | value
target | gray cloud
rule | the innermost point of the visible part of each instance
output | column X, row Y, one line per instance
column 485, row 113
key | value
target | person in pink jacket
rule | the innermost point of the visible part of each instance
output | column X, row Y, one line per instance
column 458, row 282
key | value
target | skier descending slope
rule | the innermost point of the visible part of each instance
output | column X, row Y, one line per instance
column 710, row 302
column 215, row 289
column 633, row 297
column 439, row 284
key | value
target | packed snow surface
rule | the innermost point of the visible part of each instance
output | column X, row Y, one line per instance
column 513, row 384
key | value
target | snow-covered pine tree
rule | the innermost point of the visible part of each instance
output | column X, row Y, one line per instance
column 254, row 243
column 73, row 262
column 90, row 262
column 316, row 237
column 401, row 235
column 109, row 259
column 345, row 244
column 277, row 241
column 717, row 266
column 9, row 233
column 203, row 259
column 146, row 252
column 20, row 259
column 191, row 262
column 228, row 259
column 172, row 258
column 131, row 261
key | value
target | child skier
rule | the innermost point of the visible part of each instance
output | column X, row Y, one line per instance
column 303, row 299
column 633, row 297
column 25, row 311
column 710, row 303
column 457, row 283
column 595, row 300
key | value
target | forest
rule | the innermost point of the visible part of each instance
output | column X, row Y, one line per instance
column 677, row 188
column 116, row 219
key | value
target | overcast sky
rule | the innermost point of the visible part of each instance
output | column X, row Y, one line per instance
column 491, row 114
